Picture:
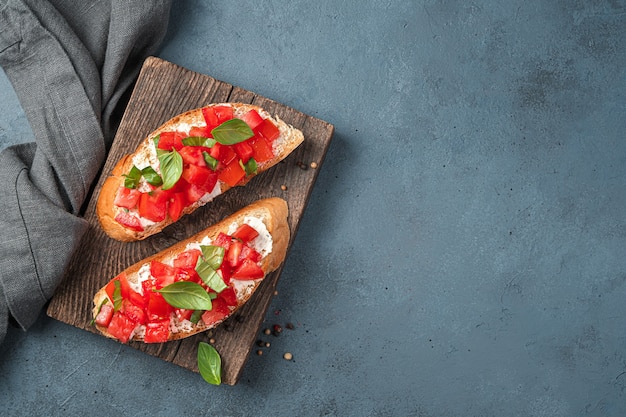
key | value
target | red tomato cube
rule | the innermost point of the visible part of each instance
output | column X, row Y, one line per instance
column 121, row 327
column 103, row 318
column 201, row 132
column 218, row 313
column 163, row 274
column 261, row 150
column 127, row 197
column 222, row 240
column 157, row 332
column 158, row 308
column 129, row 221
column 232, row 174
column 210, row 118
column 176, row 205
column 252, row 118
column 223, row 113
column 187, row 259
column 268, row 130
column 248, row 270
column 245, row 232
column 134, row 313
column 197, row 175
column 233, row 252
column 192, row 155
column 183, row 314
column 171, row 140
column 153, row 206
column 244, row 151
column 229, row 296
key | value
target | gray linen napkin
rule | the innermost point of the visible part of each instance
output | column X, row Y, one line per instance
column 72, row 64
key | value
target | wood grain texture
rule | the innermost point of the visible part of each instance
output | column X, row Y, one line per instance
column 162, row 91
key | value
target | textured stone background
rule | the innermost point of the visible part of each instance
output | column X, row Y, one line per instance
column 463, row 251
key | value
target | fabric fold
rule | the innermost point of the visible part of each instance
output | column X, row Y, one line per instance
column 71, row 64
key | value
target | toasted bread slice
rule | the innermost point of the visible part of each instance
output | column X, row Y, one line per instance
column 271, row 212
column 145, row 155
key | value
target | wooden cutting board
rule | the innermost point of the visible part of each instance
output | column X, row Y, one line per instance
column 162, row 91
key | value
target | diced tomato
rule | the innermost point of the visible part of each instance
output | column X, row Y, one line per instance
column 129, row 221
column 225, row 272
column 210, row 118
column 215, row 150
column 194, row 193
column 103, row 318
column 261, row 150
column 193, row 155
column 252, row 118
column 169, row 140
column 223, row 153
column 187, row 259
column 222, row 240
column 127, row 197
column 250, row 253
column 232, row 255
column 229, row 296
column 134, row 313
column 268, row 130
column 153, row 206
column 176, row 205
column 248, row 270
column 121, row 327
column 124, row 286
column 219, row 312
column 110, row 288
column 223, row 113
column 201, row 132
column 163, row 274
column 183, row 314
column 232, row 174
column 136, row 298
column 158, row 308
column 244, row 151
column 157, row 332
column 197, row 175
column 184, row 274
column 245, row 232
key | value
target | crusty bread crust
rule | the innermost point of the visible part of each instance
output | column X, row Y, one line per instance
column 290, row 138
column 272, row 211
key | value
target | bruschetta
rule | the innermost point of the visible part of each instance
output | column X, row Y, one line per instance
column 197, row 283
column 187, row 162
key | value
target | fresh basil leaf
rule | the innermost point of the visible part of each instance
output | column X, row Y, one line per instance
column 209, row 363
column 199, row 141
column 195, row 316
column 210, row 277
column 213, row 255
column 151, row 176
column 250, row 167
column 187, row 295
column 117, row 295
column 210, row 161
column 131, row 179
column 232, row 131
column 171, row 164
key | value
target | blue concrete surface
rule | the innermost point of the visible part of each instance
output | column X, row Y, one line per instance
column 463, row 250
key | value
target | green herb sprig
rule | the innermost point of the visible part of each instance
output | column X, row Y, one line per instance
column 231, row 132
column 209, row 363
column 187, row 295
